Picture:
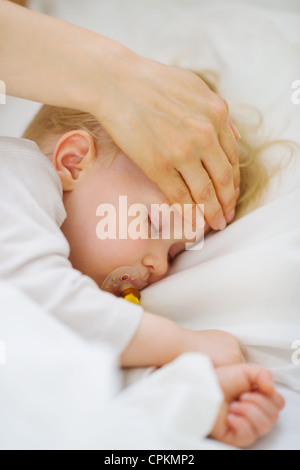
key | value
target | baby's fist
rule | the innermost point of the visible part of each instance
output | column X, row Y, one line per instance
column 251, row 405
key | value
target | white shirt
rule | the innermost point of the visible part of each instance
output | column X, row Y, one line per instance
column 34, row 252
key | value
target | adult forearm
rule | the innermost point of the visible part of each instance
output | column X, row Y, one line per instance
column 50, row 61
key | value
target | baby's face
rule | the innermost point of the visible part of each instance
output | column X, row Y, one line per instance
column 102, row 183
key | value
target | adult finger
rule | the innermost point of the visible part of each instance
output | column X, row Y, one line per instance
column 203, row 191
column 174, row 188
column 229, row 145
column 221, row 173
column 227, row 135
column 235, row 130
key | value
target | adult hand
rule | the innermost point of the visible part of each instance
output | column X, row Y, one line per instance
column 169, row 122
column 165, row 119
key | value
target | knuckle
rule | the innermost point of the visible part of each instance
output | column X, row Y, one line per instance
column 181, row 195
column 183, row 152
column 208, row 134
column 227, row 177
column 202, row 135
column 235, row 155
column 166, row 161
column 168, row 164
column 207, row 193
column 220, row 109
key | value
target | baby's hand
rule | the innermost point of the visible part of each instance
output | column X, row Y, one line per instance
column 222, row 348
column 251, row 405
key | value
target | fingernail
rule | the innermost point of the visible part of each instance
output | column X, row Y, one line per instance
column 237, row 132
column 222, row 223
column 245, row 396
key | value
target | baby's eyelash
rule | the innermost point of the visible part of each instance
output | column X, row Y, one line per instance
column 152, row 228
column 149, row 224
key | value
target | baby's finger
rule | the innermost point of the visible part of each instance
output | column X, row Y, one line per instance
column 241, row 433
column 264, row 382
column 272, row 405
column 258, row 418
column 244, row 379
column 259, row 379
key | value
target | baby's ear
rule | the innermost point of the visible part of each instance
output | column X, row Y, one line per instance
column 72, row 155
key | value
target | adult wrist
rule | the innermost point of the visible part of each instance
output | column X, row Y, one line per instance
column 107, row 63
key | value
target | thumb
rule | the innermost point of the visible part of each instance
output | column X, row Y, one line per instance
column 239, row 379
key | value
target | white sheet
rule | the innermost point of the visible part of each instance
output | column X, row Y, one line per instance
column 246, row 277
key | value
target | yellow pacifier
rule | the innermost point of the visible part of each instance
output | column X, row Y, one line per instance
column 124, row 282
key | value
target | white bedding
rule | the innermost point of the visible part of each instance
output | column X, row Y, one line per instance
column 247, row 283
column 58, row 391
column 245, row 280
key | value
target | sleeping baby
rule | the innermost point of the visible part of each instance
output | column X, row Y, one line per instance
column 54, row 249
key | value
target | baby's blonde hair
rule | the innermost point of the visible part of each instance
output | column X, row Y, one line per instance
column 255, row 176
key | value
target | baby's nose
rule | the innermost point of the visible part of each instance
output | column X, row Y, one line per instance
column 161, row 268
column 157, row 265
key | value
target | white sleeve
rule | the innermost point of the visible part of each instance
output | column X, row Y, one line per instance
column 76, row 300
column 176, row 407
column 34, row 252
